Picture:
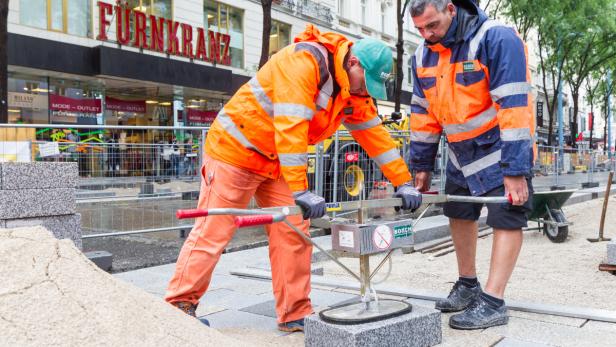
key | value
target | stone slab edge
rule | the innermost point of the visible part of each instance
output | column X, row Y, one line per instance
column 26, row 203
column 421, row 327
column 62, row 227
column 38, row 175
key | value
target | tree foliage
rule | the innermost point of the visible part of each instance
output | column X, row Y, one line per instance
column 573, row 39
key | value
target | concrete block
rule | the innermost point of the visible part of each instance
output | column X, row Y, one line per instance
column 611, row 252
column 62, row 227
column 102, row 259
column 26, row 203
column 421, row 327
column 39, row 175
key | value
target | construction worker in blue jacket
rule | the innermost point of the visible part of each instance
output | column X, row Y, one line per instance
column 472, row 84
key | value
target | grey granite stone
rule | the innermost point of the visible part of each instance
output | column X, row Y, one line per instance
column 26, row 203
column 39, row 175
column 267, row 309
column 421, row 327
column 611, row 252
column 62, row 227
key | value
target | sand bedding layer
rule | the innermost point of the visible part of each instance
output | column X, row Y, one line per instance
column 51, row 295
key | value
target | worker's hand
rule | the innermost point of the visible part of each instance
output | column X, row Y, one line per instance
column 423, row 180
column 312, row 205
column 517, row 187
column 411, row 197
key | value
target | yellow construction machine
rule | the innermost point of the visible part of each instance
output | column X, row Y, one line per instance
column 348, row 173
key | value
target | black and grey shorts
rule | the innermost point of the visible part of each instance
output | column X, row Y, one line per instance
column 500, row 216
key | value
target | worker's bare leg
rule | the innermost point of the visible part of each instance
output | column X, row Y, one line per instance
column 505, row 250
column 464, row 236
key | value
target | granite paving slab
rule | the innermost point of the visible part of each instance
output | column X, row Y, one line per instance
column 62, row 226
column 39, row 175
column 420, row 327
column 26, row 203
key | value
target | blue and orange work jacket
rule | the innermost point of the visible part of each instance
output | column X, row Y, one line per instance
column 473, row 86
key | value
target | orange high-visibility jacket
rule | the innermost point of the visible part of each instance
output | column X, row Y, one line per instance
column 295, row 101
column 474, row 85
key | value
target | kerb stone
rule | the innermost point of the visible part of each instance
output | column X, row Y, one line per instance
column 420, row 327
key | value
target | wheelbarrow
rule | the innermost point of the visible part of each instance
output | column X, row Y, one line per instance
column 547, row 212
column 361, row 239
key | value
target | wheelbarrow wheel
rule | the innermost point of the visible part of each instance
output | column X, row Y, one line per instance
column 556, row 234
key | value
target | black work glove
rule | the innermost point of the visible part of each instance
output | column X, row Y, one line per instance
column 312, row 205
column 411, row 197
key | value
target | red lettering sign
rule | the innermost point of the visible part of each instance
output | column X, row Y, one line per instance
column 201, row 51
column 172, row 37
column 112, row 104
column 198, row 116
column 217, row 51
column 157, row 34
column 140, row 37
column 122, row 29
column 351, row 157
column 64, row 103
column 103, row 10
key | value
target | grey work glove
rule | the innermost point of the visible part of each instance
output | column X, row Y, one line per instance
column 312, row 205
column 411, row 197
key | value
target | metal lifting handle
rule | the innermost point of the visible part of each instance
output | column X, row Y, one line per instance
column 428, row 198
column 184, row 214
column 248, row 221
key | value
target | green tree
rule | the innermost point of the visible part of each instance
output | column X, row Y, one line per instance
column 573, row 39
column 594, row 35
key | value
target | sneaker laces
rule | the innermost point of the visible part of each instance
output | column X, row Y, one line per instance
column 454, row 289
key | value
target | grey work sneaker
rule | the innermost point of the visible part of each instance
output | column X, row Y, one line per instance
column 459, row 298
column 479, row 315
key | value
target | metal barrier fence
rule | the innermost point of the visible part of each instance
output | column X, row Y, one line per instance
column 132, row 179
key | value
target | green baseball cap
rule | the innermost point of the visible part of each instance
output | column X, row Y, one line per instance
column 376, row 59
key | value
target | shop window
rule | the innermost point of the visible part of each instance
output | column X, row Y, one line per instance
column 75, row 102
column 226, row 20
column 28, row 99
column 200, row 112
column 66, row 16
column 158, row 8
column 280, row 36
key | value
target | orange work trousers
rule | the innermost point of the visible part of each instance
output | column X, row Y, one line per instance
column 227, row 186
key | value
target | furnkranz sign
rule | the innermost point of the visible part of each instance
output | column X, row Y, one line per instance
column 165, row 35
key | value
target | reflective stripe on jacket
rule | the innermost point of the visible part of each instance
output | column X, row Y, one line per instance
column 268, row 124
column 475, row 87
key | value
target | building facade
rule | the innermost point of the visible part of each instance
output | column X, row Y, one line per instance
column 161, row 62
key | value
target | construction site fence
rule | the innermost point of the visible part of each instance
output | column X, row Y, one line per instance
column 132, row 179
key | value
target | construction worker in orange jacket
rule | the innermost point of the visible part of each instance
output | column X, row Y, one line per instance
column 472, row 82
column 257, row 147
